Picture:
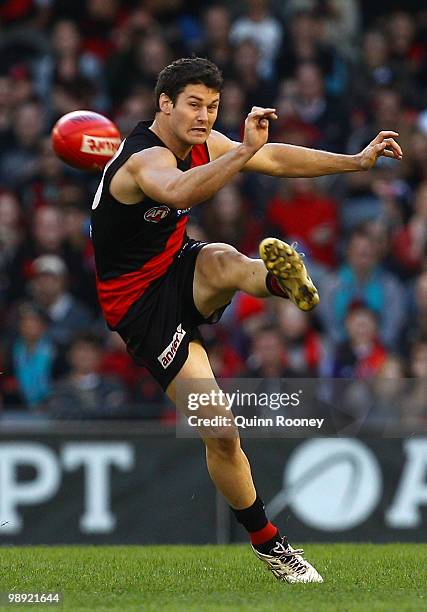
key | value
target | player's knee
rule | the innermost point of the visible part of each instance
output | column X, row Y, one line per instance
column 227, row 268
column 226, row 447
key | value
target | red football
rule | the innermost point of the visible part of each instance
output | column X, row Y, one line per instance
column 85, row 139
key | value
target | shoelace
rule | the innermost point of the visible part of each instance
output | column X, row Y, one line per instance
column 289, row 557
column 294, row 245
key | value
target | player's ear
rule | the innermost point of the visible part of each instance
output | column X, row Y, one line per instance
column 165, row 104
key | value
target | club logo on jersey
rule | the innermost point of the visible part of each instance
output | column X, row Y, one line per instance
column 157, row 213
column 170, row 351
column 97, row 145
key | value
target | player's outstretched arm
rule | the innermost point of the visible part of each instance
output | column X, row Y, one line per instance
column 285, row 160
column 156, row 174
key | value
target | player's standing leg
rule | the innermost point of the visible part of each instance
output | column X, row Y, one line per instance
column 230, row 471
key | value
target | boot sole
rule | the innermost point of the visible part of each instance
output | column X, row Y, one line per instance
column 283, row 261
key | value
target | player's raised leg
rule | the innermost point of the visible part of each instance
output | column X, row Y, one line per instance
column 230, row 471
column 221, row 271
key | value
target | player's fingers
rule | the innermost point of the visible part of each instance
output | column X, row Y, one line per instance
column 273, row 116
column 394, row 146
column 379, row 148
column 388, row 153
column 260, row 120
column 385, row 134
column 256, row 109
column 256, row 117
column 261, row 113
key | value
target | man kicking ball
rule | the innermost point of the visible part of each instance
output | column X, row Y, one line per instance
column 156, row 286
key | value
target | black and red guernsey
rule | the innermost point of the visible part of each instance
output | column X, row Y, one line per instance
column 135, row 244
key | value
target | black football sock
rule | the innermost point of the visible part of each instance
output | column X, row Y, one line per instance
column 263, row 534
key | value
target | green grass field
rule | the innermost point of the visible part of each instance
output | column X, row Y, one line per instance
column 364, row 577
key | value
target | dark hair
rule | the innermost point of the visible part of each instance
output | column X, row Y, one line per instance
column 358, row 305
column 87, row 337
column 359, row 232
column 173, row 79
column 27, row 308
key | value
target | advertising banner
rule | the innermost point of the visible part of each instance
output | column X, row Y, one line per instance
column 97, row 487
column 345, row 489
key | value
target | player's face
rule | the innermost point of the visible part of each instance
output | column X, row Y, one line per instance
column 194, row 113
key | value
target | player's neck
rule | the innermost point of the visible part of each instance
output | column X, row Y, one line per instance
column 166, row 135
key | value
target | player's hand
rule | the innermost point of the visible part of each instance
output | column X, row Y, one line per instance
column 256, row 127
column 384, row 145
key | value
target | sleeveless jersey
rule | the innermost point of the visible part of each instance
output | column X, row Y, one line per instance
column 135, row 244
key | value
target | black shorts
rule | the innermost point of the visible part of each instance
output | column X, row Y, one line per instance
column 158, row 338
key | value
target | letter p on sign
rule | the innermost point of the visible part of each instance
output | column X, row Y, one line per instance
column 39, row 489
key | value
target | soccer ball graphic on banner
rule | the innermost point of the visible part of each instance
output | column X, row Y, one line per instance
column 85, row 140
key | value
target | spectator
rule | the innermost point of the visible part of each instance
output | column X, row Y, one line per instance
column 76, row 225
column 85, row 393
column 290, row 127
column 146, row 396
column 29, row 362
column 268, row 356
column 48, row 287
column 100, row 18
column 11, row 236
column 268, row 362
column 362, row 278
column 375, row 404
column 386, row 108
column 137, row 64
column 410, row 242
column 224, row 359
column 48, row 236
column 232, row 110
column 319, row 110
column 341, row 22
column 44, row 189
column 415, row 329
column 259, row 25
column 11, row 230
column 362, row 353
column 303, row 43
column 217, row 46
column 414, row 409
column 6, row 107
column 226, row 219
column 22, row 90
column 249, row 314
column 70, row 65
column 301, row 212
column 401, row 32
column 303, row 343
column 138, row 105
column 374, row 70
column 19, row 163
column 258, row 89
column 416, row 161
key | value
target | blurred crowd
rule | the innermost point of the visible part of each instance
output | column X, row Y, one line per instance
column 338, row 71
